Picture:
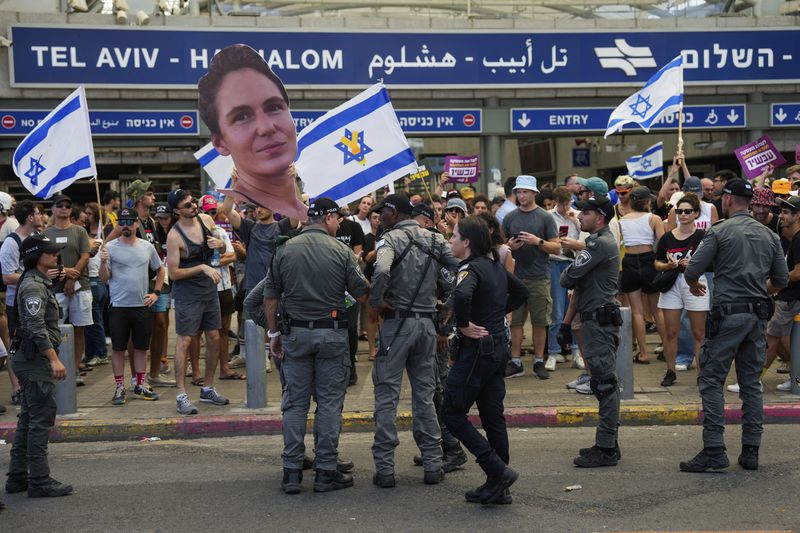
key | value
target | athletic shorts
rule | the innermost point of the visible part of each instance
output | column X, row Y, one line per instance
column 638, row 272
column 238, row 300
column 539, row 305
column 226, row 302
column 192, row 317
column 680, row 297
column 780, row 325
column 161, row 305
column 130, row 323
column 76, row 309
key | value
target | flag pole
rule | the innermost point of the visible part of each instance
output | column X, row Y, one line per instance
column 680, row 130
column 100, row 210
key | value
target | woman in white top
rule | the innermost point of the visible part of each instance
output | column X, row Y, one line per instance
column 640, row 230
column 707, row 215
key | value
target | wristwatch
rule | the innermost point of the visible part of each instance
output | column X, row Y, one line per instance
column 273, row 334
column 157, row 292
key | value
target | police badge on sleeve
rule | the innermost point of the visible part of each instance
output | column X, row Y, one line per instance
column 33, row 305
column 583, row 258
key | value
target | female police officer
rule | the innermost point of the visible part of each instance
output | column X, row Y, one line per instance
column 480, row 354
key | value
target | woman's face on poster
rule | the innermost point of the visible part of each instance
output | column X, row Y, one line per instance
column 255, row 125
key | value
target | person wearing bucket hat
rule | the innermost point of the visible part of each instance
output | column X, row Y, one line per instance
column 744, row 253
column 763, row 208
column 455, row 210
column 782, row 188
column 533, row 236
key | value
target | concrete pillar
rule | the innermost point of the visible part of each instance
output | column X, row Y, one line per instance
column 66, row 392
column 256, row 365
column 625, row 356
column 795, row 340
column 491, row 151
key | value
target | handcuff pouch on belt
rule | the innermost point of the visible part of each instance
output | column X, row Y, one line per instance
column 609, row 315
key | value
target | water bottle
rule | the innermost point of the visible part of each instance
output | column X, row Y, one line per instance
column 215, row 258
column 349, row 301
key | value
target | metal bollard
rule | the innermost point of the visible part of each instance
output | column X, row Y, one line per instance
column 625, row 355
column 795, row 352
column 256, row 364
column 66, row 392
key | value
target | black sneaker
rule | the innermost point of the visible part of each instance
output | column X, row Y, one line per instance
column 292, row 479
column 494, row 487
column 16, row 483
column 618, row 454
column 48, row 489
column 453, row 460
column 328, row 480
column 384, row 481
column 596, row 457
column 748, row 459
column 474, row 496
column 705, row 460
column 514, row 369
column 433, row 477
column 540, row 371
column 669, row 379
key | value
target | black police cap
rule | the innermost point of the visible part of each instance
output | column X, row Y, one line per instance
column 601, row 204
column 324, row 206
column 738, row 187
column 36, row 244
column 398, row 202
column 422, row 209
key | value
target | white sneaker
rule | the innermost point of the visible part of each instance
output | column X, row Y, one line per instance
column 93, row 361
column 584, row 388
column 682, row 368
column 735, row 387
column 574, row 384
column 578, row 362
column 786, row 385
column 160, row 381
column 237, row 361
column 560, row 359
column 550, row 365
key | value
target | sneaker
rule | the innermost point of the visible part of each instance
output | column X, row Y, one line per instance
column 583, row 378
column 79, row 381
column 383, row 481
column 494, row 487
column 50, row 488
column 784, row 368
column 94, row 361
column 453, row 460
column 560, row 359
column 108, row 341
column 212, row 396
column 549, row 365
column 669, row 379
column 237, row 361
column 540, row 371
column 102, row 360
column 133, row 384
column 514, row 369
column 596, row 457
column 617, row 451
column 474, row 496
column 659, row 350
column 735, row 387
column 584, row 388
column 705, row 460
column 681, row 367
column 748, row 459
column 433, row 477
column 786, row 385
column 328, row 480
column 164, row 369
column 578, row 362
column 145, row 393
column 292, row 479
column 185, row 406
column 119, row 396
column 160, row 381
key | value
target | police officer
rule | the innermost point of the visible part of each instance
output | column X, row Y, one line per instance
column 485, row 292
column 37, row 366
column 310, row 274
column 404, row 294
column 594, row 276
column 744, row 253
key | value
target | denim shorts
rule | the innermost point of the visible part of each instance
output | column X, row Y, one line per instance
column 161, row 305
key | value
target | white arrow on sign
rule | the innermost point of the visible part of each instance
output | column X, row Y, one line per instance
column 780, row 115
column 732, row 116
column 524, row 120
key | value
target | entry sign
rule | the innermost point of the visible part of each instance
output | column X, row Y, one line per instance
column 417, row 121
column 581, row 157
column 110, row 123
column 596, row 119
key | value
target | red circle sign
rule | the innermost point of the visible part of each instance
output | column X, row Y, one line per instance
column 187, row 121
column 468, row 120
column 9, row 122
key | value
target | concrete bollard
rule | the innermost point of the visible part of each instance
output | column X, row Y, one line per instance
column 795, row 352
column 256, row 364
column 66, row 392
column 625, row 356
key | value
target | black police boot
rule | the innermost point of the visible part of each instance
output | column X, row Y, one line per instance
column 417, row 460
column 48, row 488
column 495, row 486
column 345, row 467
column 748, row 459
column 16, row 483
column 584, row 451
column 474, row 496
column 596, row 457
column 384, row 481
column 328, row 480
column 308, row 463
column 433, row 477
column 708, row 458
column 292, row 479
column 353, row 376
column 453, row 459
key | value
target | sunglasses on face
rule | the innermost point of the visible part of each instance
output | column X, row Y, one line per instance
column 188, row 205
column 212, row 212
column 584, row 191
column 125, row 223
column 623, row 193
column 684, row 211
column 63, row 205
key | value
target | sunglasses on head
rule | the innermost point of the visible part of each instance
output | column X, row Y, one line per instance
column 63, row 205
column 684, row 211
column 126, row 222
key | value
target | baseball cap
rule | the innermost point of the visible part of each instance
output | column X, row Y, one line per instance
column 640, row 193
column 36, row 244
column 207, row 203
column 467, row 193
column 526, row 182
column 738, row 187
column 781, row 186
column 324, row 206
column 61, row 198
column 175, row 197
column 601, row 204
column 792, row 203
column 597, row 186
column 456, row 203
column 5, row 201
column 126, row 213
column 137, row 189
column 398, row 202
column 693, row 184
column 163, row 210
column 763, row 196
column 422, row 209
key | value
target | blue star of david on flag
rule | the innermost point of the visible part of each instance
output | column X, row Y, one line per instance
column 646, row 164
column 35, row 169
column 641, row 100
column 353, row 146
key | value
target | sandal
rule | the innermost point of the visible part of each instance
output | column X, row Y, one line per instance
column 639, row 361
column 235, row 376
column 199, row 382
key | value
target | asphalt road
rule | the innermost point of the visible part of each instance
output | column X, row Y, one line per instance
column 233, row 484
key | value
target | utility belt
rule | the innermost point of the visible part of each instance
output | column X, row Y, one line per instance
column 763, row 310
column 607, row 315
column 22, row 344
column 485, row 346
column 389, row 314
column 319, row 324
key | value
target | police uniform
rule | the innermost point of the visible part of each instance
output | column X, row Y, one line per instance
column 594, row 275
column 38, row 328
column 405, row 277
column 310, row 274
column 744, row 253
column 485, row 292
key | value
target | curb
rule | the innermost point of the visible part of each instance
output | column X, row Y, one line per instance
column 270, row 424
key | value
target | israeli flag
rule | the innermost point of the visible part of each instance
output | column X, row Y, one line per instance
column 662, row 94
column 218, row 167
column 58, row 151
column 354, row 149
column 648, row 165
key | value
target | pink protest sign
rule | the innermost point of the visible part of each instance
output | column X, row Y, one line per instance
column 797, row 154
column 756, row 155
column 462, row 169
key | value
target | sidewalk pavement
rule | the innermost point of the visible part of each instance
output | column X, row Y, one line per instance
column 530, row 402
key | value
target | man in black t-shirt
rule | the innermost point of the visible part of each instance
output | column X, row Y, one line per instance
column 351, row 234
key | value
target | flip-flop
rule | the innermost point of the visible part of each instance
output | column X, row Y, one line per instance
column 641, row 361
column 199, row 382
column 234, row 376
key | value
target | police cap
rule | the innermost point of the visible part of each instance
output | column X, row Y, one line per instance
column 398, row 202
column 738, row 187
column 601, row 204
column 324, row 206
column 422, row 209
column 36, row 244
